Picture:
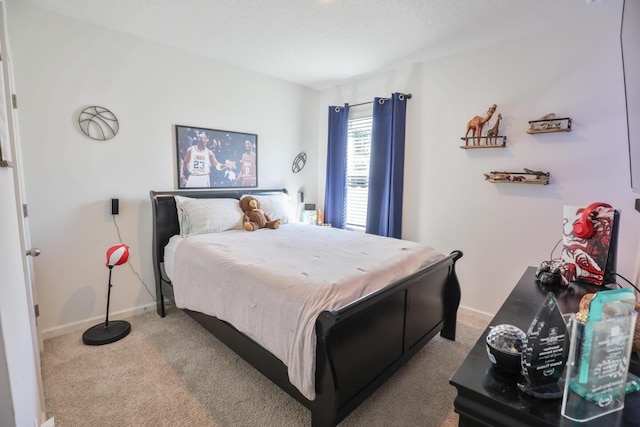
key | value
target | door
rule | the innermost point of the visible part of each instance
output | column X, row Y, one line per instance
column 19, row 305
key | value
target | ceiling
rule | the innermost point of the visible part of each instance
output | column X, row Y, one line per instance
column 320, row 43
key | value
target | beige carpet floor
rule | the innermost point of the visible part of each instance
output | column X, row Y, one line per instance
column 171, row 372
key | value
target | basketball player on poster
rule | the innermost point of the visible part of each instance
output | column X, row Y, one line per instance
column 197, row 164
column 247, row 175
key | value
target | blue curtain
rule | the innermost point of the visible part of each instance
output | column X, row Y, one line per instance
column 336, row 185
column 386, row 173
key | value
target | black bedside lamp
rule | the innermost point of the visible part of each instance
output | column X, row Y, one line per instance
column 108, row 332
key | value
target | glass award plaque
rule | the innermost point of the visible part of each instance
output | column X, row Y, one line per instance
column 545, row 352
column 596, row 379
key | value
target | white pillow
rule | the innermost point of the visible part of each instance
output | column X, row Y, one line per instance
column 199, row 216
column 276, row 206
column 180, row 209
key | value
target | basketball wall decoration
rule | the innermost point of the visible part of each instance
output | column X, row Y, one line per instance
column 98, row 123
column 299, row 162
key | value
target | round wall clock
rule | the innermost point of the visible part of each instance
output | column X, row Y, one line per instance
column 299, row 162
column 98, row 123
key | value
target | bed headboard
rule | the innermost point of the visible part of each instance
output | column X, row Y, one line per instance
column 165, row 215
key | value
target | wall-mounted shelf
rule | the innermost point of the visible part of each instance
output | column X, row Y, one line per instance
column 550, row 125
column 499, row 141
column 526, row 177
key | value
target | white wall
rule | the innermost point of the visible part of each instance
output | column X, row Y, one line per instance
column 574, row 71
column 63, row 66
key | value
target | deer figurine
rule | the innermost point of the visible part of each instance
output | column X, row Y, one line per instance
column 492, row 134
column 475, row 126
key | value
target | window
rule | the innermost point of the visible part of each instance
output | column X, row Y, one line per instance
column 358, row 152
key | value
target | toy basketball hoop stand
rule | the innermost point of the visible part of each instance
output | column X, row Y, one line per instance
column 109, row 331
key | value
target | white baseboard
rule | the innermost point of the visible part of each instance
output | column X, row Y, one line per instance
column 475, row 313
column 86, row 324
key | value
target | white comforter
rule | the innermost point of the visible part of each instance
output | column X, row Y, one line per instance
column 272, row 284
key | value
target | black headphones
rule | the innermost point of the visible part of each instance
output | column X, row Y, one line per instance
column 583, row 227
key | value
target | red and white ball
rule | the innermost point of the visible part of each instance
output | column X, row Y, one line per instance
column 118, row 254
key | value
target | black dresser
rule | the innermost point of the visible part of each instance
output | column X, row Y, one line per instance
column 487, row 397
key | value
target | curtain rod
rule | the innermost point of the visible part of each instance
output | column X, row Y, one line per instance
column 408, row 96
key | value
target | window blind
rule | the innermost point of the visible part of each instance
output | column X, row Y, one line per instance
column 358, row 154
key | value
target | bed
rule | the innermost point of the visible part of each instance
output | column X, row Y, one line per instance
column 385, row 327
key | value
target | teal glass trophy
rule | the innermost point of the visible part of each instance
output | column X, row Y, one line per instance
column 596, row 374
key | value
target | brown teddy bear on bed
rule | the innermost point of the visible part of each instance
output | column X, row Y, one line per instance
column 254, row 217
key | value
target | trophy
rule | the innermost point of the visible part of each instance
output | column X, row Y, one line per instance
column 545, row 352
column 596, row 380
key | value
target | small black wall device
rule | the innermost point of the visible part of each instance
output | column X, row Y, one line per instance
column 115, row 206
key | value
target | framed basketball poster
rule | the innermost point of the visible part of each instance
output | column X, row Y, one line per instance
column 213, row 158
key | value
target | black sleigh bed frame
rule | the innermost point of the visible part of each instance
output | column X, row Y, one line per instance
column 359, row 346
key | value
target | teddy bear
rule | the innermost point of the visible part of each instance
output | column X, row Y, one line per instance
column 254, row 217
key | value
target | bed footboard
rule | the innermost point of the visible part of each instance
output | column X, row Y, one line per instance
column 386, row 328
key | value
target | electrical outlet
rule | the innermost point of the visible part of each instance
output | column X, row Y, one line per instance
column 115, row 206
